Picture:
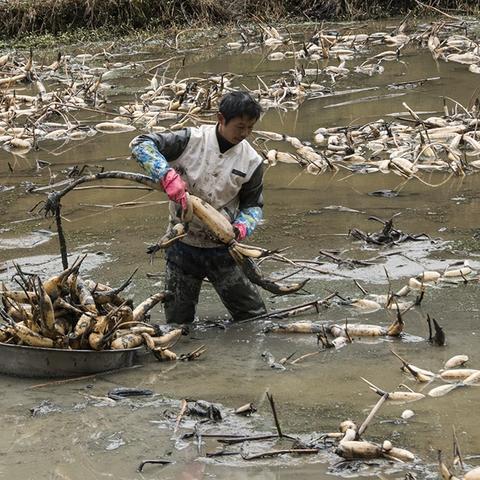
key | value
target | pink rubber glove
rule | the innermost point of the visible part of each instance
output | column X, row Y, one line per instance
column 240, row 231
column 175, row 187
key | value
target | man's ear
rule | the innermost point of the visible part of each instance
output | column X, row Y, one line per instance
column 220, row 118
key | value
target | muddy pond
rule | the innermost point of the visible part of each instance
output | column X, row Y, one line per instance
column 74, row 431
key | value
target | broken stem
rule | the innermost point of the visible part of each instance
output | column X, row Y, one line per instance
column 61, row 236
column 272, row 453
column 234, row 440
column 457, row 454
column 159, row 462
column 360, row 287
column 373, row 412
column 275, row 417
column 303, row 357
column 84, row 377
column 277, row 313
column 183, row 409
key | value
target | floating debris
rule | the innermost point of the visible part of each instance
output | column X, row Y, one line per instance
column 204, row 409
column 45, row 407
column 247, row 409
column 397, row 396
column 119, row 393
column 456, row 361
column 407, row 414
column 389, row 235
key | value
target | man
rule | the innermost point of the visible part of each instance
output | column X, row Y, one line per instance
column 217, row 164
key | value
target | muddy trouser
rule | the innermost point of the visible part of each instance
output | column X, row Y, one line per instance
column 186, row 268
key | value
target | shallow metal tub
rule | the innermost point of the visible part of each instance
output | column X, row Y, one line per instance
column 25, row 361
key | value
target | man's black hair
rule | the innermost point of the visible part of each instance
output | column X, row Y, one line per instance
column 239, row 104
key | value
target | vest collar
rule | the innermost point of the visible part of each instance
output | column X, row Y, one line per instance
column 223, row 144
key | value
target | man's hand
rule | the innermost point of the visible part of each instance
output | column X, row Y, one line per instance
column 175, row 187
column 240, row 231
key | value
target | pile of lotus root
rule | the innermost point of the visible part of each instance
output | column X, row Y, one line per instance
column 69, row 312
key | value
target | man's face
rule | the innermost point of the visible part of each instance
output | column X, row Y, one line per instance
column 237, row 129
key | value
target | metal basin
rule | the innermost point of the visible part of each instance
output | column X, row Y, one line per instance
column 25, row 361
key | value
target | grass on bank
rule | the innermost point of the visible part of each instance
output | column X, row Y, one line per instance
column 19, row 18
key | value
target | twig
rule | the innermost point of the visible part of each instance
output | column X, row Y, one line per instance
column 406, row 365
column 374, row 410
column 194, row 354
column 234, row 440
column 159, row 462
column 183, row 409
column 340, row 261
column 412, row 113
column 97, row 110
column 54, row 197
column 277, row 313
column 373, row 387
column 360, row 287
column 221, row 453
column 299, row 359
column 460, row 105
column 420, row 81
column 275, row 417
column 84, row 377
column 429, row 322
column 61, row 236
column 349, row 338
column 136, row 204
column 389, row 292
column 272, row 453
column 279, row 258
column 457, row 454
column 212, row 435
column 431, row 7
column 168, row 60
column 283, row 361
column 410, row 120
column 112, row 187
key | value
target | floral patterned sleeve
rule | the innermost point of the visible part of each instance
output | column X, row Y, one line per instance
column 150, row 159
column 153, row 151
column 251, row 202
column 250, row 217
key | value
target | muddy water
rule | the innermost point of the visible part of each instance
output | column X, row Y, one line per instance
column 83, row 435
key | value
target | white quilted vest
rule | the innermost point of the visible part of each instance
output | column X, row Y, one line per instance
column 214, row 177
